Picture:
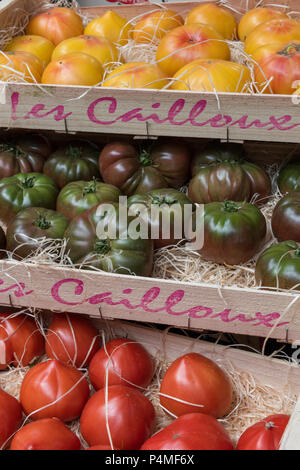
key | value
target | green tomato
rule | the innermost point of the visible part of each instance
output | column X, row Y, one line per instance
column 289, row 178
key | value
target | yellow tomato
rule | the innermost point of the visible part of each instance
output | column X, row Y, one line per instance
column 41, row 47
column 136, row 75
column 212, row 75
column 19, row 66
column 217, row 17
column 274, row 31
column 100, row 48
column 187, row 43
column 110, row 26
column 254, row 18
column 56, row 24
column 153, row 26
column 76, row 69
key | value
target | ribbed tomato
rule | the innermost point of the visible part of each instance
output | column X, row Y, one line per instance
column 255, row 17
column 187, row 43
column 10, row 418
column 36, row 45
column 136, row 75
column 217, row 17
column 264, row 435
column 110, row 26
column 278, row 31
column 20, row 66
column 286, row 218
column 56, row 24
column 155, row 25
column 289, row 178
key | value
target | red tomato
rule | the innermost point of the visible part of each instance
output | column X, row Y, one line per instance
column 129, row 414
column 20, row 340
column 50, row 382
column 99, row 447
column 45, row 434
column 264, row 435
column 198, row 380
column 193, row 431
column 10, row 417
column 127, row 361
column 72, row 339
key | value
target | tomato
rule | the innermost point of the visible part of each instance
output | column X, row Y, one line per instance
column 10, row 417
column 72, row 339
column 25, row 190
column 254, row 18
column 217, row 17
column 234, row 232
column 100, row 48
column 73, row 162
column 128, row 413
column 41, row 47
column 152, row 27
column 37, row 144
column 220, row 172
column 163, row 206
column 121, row 361
column 32, row 224
column 80, row 196
column 192, row 431
column 112, row 253
column 165, row 164
column 56, row 24
column 45, row 434
column 278, row 31
column 264, row 435
column 198, row 380
column 100, row 447
column 76, row 69
column 289, row 178
column 286, row 218
column 136, row 75
column 54, row 382
column 23, row 342
column 187, row 43
column 110, row 26
column 20, row 66
column 279, row 266
column 212, row 75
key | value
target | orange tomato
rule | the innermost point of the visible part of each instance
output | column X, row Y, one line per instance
column 254, row 18
column 110, row 26
column 274, row 31
column 279, row 63
column 77, row 69
column 212, row 75
column 20, row 66
column 136, row 75
column 41, row 47
column 187, row 43
column 217, row 17
column 56, row 24
column 100, row 48
column 154, row 26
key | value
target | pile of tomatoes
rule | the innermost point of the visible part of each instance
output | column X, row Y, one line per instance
column 191, row 53
column 106, row 389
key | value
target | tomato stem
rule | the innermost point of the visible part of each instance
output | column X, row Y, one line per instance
column 145, row 158
column 269, row 425
column 74, row 152
column 160, row 200
column 230, row 206
column 102, row 247
column 28, row 182
column 42, row 222
column 91, row 187
column 290, row 50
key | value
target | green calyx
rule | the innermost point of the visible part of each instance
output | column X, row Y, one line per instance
column 28, row 182
column 74, row 152
column 290, row 50
column 102, row 247
column 90, row 188
column 12, row 149
column 42, row 223
column 230, row 206
column 160, row 200
column 145, row 158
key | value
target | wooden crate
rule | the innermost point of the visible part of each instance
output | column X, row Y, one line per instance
column 147, row 112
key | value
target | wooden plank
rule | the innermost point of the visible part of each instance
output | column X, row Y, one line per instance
column 291, row 437
column 200, row 306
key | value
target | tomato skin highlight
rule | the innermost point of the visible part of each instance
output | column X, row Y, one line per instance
column 10, row 417
column 264, row 435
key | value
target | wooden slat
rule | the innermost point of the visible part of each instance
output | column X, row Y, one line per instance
column 291, row 437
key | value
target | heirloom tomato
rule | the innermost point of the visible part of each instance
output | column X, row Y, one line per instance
column 20, row 66
column 115, row 251
column 25, row 190
column 121, row 361
column 212, row 75
column 129, row 415
column 10, row 418
column 72, row 339
column 21, row 340
column 37, row 144
column 56, row 24
column 152, row 27
column 187, row 43
column 45, row 434
column 31, row 224
column 264, row 435
column 162, row 165
column 217, row 17
column 73, row 162
column 110, row 26
column 195, row 379
column 192, row 431
column 80, row 196
column 39, row 46
column 255, row 17
column 289, row 178
column 52, row 389
column 279, row 266
column 136, row 75
column 286, row 218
